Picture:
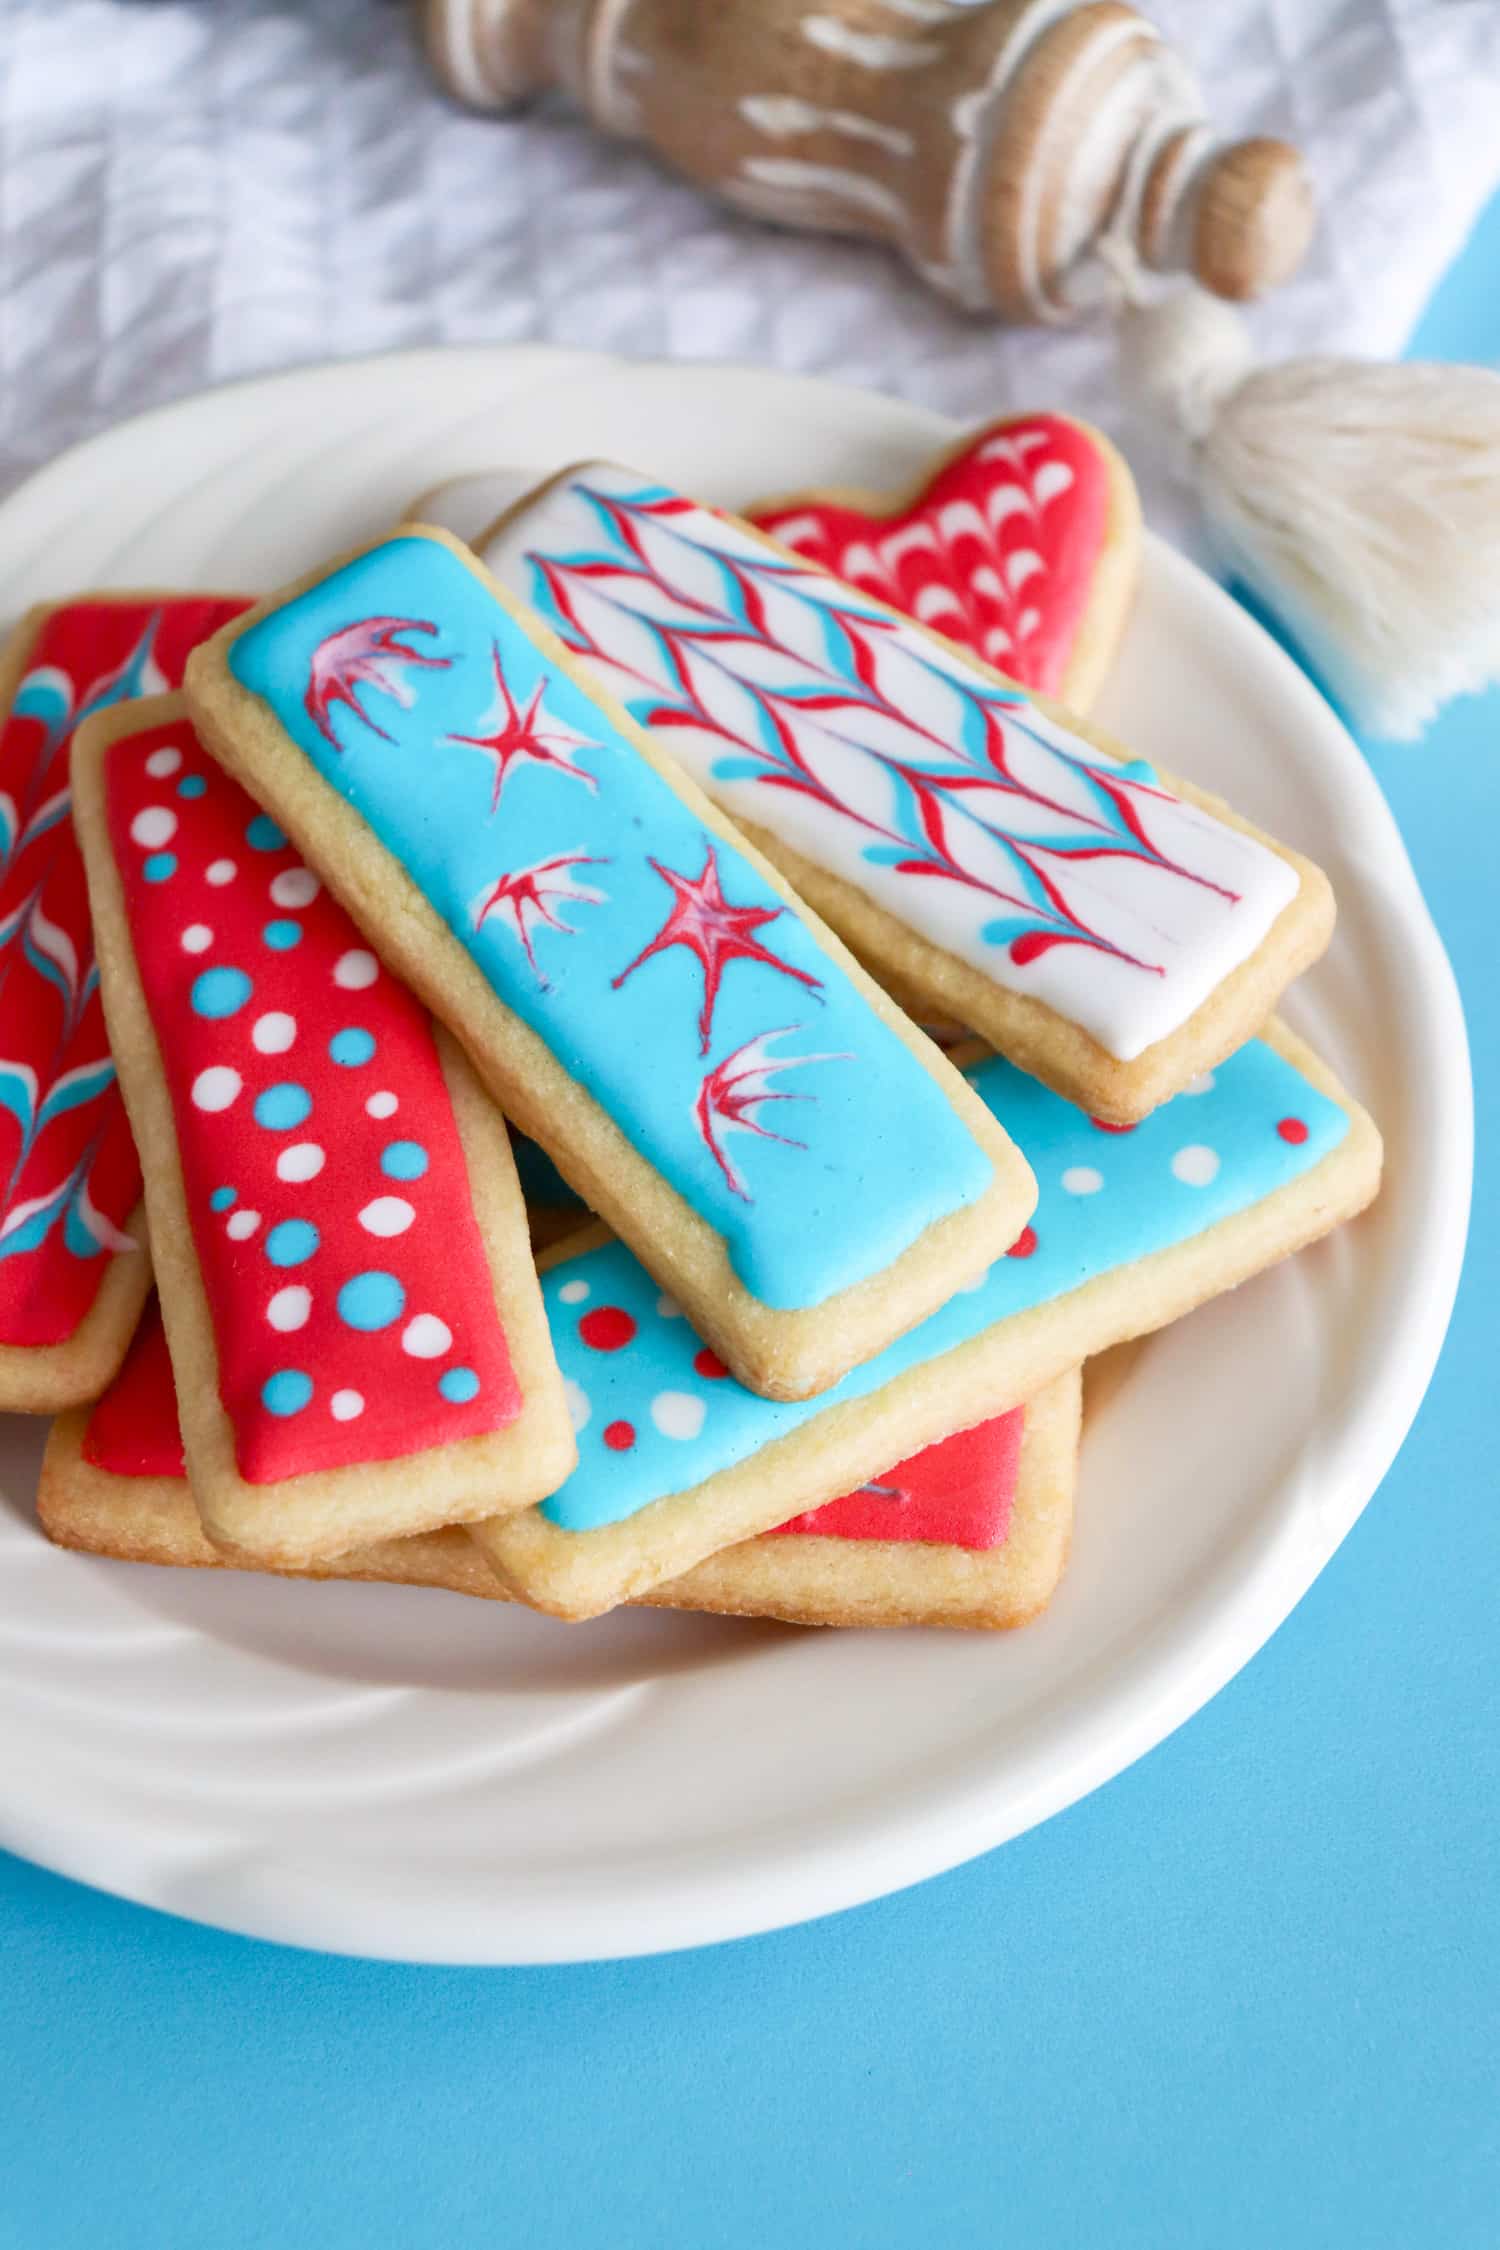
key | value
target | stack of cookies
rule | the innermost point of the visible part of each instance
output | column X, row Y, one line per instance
column 877, row 1043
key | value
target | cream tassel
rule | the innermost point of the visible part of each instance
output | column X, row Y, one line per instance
column 1360, row 500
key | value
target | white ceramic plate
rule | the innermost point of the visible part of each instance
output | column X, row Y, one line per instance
column 402, row 1773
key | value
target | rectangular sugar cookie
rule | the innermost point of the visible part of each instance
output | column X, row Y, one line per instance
column 73, row 1268
column 972, row 1530
column 642, row 994
column 985, row 1519
column 977, row 1548
column 339, row 1238
column 1133, row 1229
column 1113, row 931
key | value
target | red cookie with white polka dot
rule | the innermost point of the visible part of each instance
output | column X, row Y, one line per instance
column 973, row 1531
column 338, row 1233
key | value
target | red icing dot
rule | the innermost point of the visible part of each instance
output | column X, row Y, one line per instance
column 1292, row 1129
column 709, row 1365
column 1023, row 1245
column 1100, row 1126
column 608, row 1328
column 620, row 1436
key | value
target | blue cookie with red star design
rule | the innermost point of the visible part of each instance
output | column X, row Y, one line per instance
column 641, row 992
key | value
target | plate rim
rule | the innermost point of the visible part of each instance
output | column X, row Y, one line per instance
column 893, row 1850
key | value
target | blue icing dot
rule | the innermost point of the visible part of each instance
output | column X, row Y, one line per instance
column 191, row 785
column 287, row 1391
column 220, row 992
column 263, row 835
column 351, row 1046
column 291, row 1243
column 281, row 1107
column 282, row 936
column 458, row 1385
column 221, row 1198
column 160, row 866
column 371, row 1300
column 403, row 1160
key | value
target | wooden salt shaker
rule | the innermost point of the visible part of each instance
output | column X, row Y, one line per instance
column 995, row 145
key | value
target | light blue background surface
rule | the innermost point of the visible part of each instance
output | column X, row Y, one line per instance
column 1245, row 1996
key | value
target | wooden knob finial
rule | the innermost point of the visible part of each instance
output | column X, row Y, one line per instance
column 1254, row 219
column 997, row 146
column 491, row 53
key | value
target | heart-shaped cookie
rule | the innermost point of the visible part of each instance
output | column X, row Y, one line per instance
column 1021, row 542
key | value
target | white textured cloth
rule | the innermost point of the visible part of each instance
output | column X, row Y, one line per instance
column 198, row 189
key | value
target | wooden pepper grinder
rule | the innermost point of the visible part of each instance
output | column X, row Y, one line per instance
column 995, row 145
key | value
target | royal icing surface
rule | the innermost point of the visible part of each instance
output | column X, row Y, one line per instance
column 67, row 1162
column 952, row 801
column 352, row 1303
column 133, row 1430
column 959, row 1492
column 656, row 962
column 655, row 1415
column 997, row 550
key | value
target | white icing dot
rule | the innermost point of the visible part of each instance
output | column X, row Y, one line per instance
column 677, row 1414
column 221, row 871
column 289, row 1308
column 197, row 938
column 162, row 762
column 1082, row 1179
column 153, row 827
column 381, row 1105
column 295, row 886
column 353, row 971
column 668, row 1307
column 578, row 1405
column 388, row 1215
column 304, row 1160
column 1202, row 1084
column 572, row 1292
column 346, row 1406
column 216, row 1087
column 426, row 1337
column 1195, row 1165
column 240, row 1225
column 272, row 1034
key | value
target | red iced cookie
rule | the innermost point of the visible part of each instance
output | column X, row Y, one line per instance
column 67, row 1162
column 1020, row 543
column 329, row 1200
column 956, row 1493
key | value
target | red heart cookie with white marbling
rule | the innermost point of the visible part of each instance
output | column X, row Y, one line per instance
column 1020, row 543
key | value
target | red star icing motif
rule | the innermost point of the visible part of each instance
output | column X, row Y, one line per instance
column 736, row 1089
column 533, row 891
column 702, row 919
column 513, row 737
column 369, row 653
